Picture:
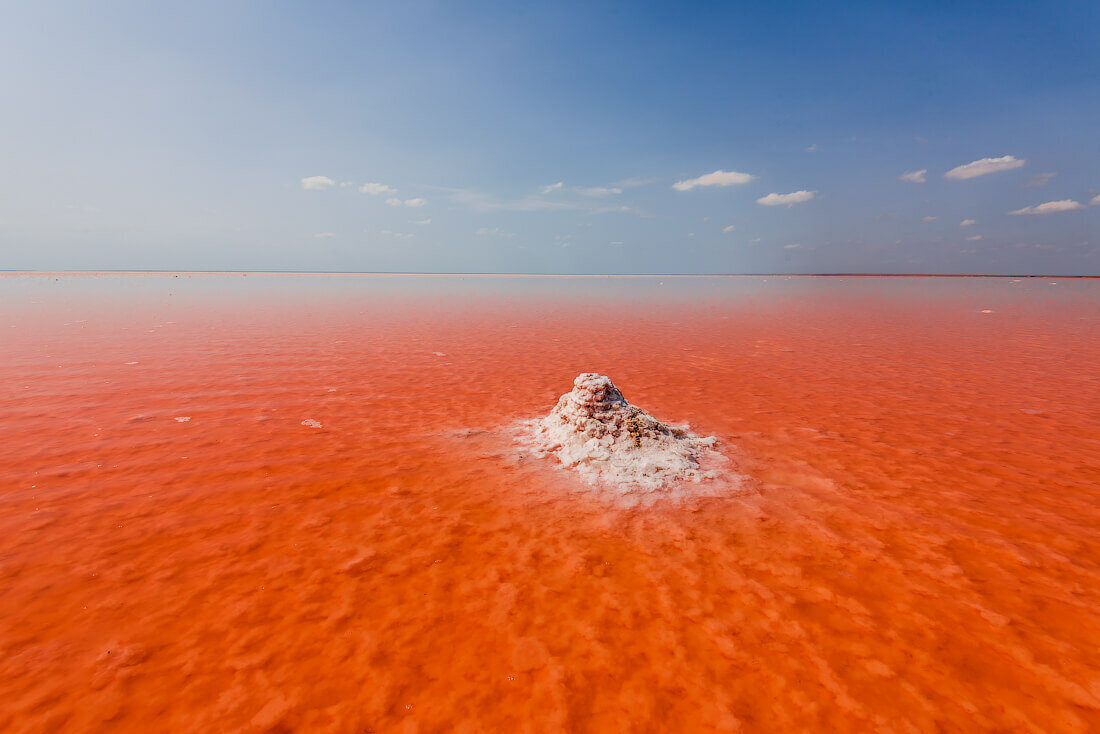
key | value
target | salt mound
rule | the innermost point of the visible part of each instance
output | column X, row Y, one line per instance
column 595, row 431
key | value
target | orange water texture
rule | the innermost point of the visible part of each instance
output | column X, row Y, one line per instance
column 916, row 547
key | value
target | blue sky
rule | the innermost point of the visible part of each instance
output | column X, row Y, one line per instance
column 572, row 137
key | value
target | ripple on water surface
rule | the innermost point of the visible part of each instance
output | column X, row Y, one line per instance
column 297, row 511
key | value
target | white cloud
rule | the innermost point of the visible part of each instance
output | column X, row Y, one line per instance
column 323, row 235
column 552, row 187
column 616, row 243
column 1039, row 179
column 914, row 176
column 1095, row 201
column 493, row 232
column 811, row 148
column 345, row 184
column 975, row 238
column 394, row 201
column 984, row 166
column 421, row 221
column 317, row 183
column 718, row 178
column 728, row 229
column 786, row 199
column 620, row 209
column 601, row 191
column 795, row 246
column 375, row 189
column 397, row 235
column 929, row 219
column 1051, row 207
column 968, row 222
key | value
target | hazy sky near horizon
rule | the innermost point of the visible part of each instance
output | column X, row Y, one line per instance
column 575, row 137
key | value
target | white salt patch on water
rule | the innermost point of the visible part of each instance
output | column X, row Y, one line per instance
column 131, row 363
column 619, row 447
column 182, row 418
column 309, row 422
column 439, row 354
column 986, row 311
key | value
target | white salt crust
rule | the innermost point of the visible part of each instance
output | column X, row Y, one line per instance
column 594, row 431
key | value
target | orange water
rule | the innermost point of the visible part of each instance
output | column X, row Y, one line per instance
column 919, row 551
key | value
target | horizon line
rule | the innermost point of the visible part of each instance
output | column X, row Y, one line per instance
column 544, row 275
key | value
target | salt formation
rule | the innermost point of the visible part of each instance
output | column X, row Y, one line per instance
column 594, row 430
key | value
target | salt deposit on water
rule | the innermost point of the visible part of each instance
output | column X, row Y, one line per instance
column 618, row 446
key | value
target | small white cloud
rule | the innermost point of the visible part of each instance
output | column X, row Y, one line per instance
column 718, row 178
column 929, row 219
column 1051, row 207
column 968, row 222
column 984, row 166
column 601, row 191
column 795, row 246
column 1039, row 179
column 786, row 199
column 394, row 201
column 375, row 189
column 552, row 187
column 728, row 229
column 755, row 240
column 811, row 148
column 914, row 176
column 345, row 184
column 1095, row 201
column 323, row 235
column 317, row 183
column 617, row 209
column 397, row 235
column 421, row 221
column 975, row 238
column 691, row 234
column 616, row 243
column 493, row 232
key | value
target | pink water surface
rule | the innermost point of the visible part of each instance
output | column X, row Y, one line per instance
column 341, row 537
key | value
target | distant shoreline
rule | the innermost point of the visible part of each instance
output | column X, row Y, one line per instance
column 541, row 275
